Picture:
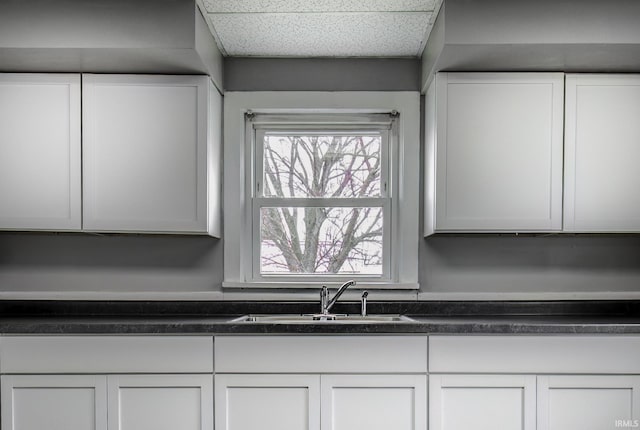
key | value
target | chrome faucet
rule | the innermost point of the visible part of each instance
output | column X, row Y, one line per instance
column 325, row 303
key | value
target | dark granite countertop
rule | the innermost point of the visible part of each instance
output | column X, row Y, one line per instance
column 192, row 318
column 223, row 326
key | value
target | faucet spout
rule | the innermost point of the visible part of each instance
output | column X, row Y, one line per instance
column 328, row 304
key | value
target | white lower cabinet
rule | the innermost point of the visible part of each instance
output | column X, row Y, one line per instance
column 482, row 402
column 54, row 402
column 529, row 402
column 585, row 402
column 320, row 402
column 113, row 402
column 534, row 382
column 160, row 402
column 106, row 382
column 267, row 402
column 321, row 382
column 374, row 402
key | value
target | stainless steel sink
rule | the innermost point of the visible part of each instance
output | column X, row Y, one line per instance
column 321, row 319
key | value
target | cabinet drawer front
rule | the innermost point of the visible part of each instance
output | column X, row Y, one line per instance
column 316, row 354
column 534, row 354
column 106, row 354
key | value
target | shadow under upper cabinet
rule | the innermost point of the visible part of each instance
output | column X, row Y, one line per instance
column 587, row 252
column 108, row 251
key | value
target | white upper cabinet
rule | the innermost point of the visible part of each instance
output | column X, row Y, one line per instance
column 494, row 152
column 150, row 154
column 602, row 149
column 40, row 152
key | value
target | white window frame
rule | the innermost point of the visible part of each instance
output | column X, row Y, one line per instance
column 239, row 182
column 257, row 126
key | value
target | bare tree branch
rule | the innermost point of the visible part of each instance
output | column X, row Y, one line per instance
column 316, row 239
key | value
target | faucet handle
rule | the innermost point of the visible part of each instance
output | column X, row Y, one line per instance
column 324, row 299
column 363, row 304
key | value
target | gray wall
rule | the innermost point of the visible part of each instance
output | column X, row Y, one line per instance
column 541, row 35
column 543, row 21
column 107, row 36
column 321, row 74
column 525, row 266
column 45, row 262
column 96, row 24
column 545, row 35
column 76, row 262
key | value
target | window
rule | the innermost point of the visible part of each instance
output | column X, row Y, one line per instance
column 321, row 202
column 322, row 192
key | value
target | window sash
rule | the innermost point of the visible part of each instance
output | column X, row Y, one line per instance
column 385, row 204
column 258, row 153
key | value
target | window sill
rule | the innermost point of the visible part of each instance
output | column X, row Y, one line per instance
column 364, row 285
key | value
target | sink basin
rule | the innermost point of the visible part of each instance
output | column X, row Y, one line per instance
column 317, row 319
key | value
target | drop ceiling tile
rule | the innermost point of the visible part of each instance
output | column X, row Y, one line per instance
column 321, row 34
column 262, row 6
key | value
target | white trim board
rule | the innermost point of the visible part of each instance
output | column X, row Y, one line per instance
column 237, row 262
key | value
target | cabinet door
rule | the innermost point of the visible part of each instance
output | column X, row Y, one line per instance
column 267, row 402
column 602, row 149
column 160, row 402
column 588, row 402
column 145, row 153
column 374, row 402
column 498, row 155
column 40, row 152
column 54, row 402
column 482, row 402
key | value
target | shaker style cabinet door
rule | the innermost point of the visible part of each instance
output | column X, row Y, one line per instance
column 374, row 402
column 54, row 402
column 160, row 402
column 267, row 402
column 602, row 149
column 145, row 153
column 494, row 152
column 588, row 402
column 482, row 402
column 40, row 152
